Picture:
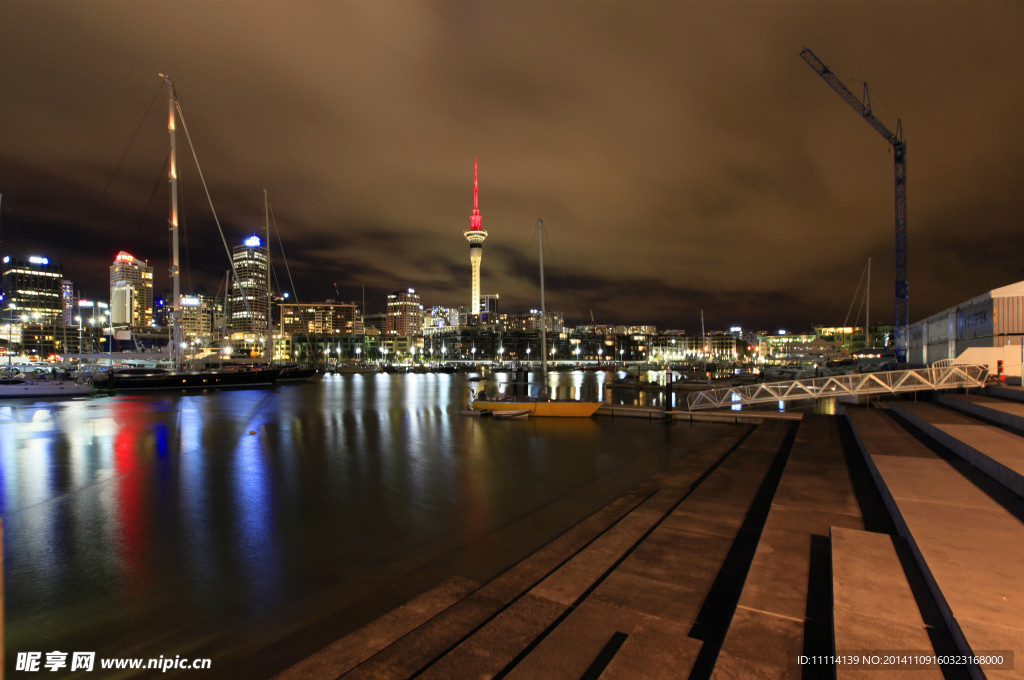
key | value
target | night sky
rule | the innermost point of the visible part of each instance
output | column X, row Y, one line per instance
column 682, row 155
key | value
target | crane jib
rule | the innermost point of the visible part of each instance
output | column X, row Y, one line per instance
column 863, row 107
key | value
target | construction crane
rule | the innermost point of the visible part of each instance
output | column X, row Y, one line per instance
column 899, row 149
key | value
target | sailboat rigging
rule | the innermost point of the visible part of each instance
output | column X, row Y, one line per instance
column 289, row 372
column 177, row 378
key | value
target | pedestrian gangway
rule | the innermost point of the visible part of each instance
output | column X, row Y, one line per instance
column 940, row 376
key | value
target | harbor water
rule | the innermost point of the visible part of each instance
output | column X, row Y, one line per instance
column 253, row 527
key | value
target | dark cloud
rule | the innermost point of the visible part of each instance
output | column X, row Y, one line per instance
column 682, row 155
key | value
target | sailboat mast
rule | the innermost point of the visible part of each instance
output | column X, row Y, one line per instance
column 867, row 315
column 268, row 350
column 543, row 314
column 703, row 344
column 172, row 177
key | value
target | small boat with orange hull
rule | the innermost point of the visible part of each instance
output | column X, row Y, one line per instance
column 568, row 408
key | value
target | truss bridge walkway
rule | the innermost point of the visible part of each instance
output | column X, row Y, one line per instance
column 940, row 376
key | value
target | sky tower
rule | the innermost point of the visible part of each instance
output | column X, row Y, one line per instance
column 475, row 235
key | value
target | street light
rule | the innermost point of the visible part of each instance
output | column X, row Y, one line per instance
column 501, row 350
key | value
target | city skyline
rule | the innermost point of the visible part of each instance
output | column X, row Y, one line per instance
column 682, row 155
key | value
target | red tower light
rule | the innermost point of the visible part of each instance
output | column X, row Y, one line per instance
column 475, row 220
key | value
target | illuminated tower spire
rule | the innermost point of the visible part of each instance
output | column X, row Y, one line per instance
column 475, row 235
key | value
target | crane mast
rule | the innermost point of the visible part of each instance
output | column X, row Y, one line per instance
column 899, row 149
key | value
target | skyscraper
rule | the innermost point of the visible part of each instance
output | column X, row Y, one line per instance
column 131, row 291
column 249, row 294
column 405, row 313
column 32, row 288
column 475, row 235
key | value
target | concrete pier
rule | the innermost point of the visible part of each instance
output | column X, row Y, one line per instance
column 762, row 555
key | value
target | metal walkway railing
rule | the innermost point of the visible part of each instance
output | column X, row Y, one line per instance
column 937, row 377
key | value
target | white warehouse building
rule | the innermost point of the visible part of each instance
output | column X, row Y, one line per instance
column 984, row 330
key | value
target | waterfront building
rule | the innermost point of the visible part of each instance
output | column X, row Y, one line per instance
column 33, row 289
column 849, row 338
column 475, row 235
column 785, row 348
column 249, row 300
column 986, row 329
column 405, row 313
column 531, row 320
column 198, row 317
column 131, row 291
column 321, row 318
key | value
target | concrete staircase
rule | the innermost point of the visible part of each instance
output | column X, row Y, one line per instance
column 855, row 536
column 961, row 519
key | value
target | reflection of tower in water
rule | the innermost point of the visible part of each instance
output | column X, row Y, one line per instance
column 475, row 235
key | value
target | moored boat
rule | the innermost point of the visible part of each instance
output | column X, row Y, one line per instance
column 162, row 379
column 25, row 387
column 180, row 378
column 295, row 373
column 566, row 408
column 542, row 405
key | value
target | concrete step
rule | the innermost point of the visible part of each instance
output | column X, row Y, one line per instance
column 1011, row 392
column 645, row 583
column 354, row 649
column 969, row 547
column 874, row 610
column 777, row 602
column 1006, row 412
column 996, row 452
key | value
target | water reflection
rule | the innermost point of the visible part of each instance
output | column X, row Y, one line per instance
column 159, row 524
